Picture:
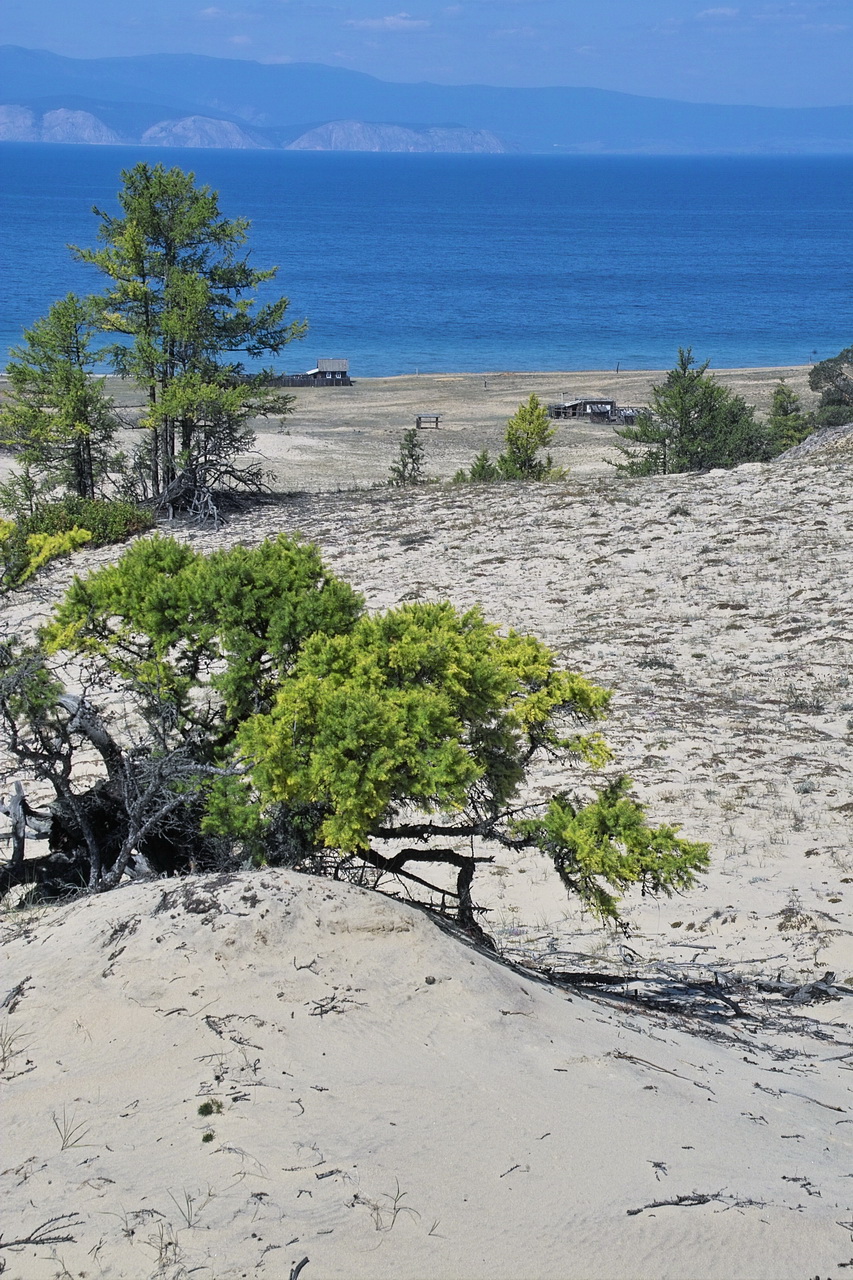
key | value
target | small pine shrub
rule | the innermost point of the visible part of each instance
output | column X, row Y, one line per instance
column 409, row 467
column 527, row 431
column 483, row 470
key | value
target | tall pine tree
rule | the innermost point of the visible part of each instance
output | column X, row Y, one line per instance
column 692, row 424
column 182, row 296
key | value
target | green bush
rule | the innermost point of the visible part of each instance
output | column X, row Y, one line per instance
column 58, row 528
column 106, row 521
column 409, row 468
column 287, row 726
column 788, row 424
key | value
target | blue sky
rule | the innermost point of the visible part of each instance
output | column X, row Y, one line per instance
column 779, row 53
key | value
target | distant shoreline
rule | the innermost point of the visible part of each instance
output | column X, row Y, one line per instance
column 782, row 370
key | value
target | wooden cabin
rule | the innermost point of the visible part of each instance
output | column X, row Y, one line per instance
column 332, row 371
column 329, row 372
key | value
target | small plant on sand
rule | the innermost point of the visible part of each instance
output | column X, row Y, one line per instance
column 387, row 1209
column 10, row 1046
column 71, row 1132
column 212, row 1107
column 165, row 1244
column 409, row 467
column 527, row 431
column 190, row 1206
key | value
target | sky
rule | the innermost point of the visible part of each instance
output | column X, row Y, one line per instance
column 763, row 52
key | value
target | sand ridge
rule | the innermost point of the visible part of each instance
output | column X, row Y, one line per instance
column 383, row 1100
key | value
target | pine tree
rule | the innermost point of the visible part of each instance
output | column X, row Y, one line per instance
column 181, row 294
column 833, row 378
column 692, row 424
column 288, row 726
column 788, row 423
column 409, row 467
column 59, row 422
column 527, row 431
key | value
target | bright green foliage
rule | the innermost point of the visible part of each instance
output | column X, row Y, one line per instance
column 692, row 424
column 182, row 293
column 409, row 467
column 58, row 420
column 210, row 637
column 22, row 556
column 527, row 431
column 420, row 707
column 44, row 547
column 833, row 378
column 307, row 729
column 609, row 842
column 58, row 528
column 788, row 423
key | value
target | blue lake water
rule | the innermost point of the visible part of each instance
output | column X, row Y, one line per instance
column 449, row 263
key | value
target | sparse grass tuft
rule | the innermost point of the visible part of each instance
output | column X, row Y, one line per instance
column 72, row 1132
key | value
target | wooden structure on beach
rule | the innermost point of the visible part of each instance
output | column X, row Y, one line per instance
column 427, row 419
column 592, row 410
column 329, row 372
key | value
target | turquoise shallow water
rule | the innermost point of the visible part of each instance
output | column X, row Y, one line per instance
column 447, row 263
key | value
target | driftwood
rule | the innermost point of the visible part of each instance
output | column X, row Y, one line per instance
column 724, row 1007
column 825, row 988
column 53, row 1231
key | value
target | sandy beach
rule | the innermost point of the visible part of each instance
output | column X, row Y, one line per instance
column 225, row 1076
column 346, row 436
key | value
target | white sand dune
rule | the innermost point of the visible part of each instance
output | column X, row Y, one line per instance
column 394, row 1104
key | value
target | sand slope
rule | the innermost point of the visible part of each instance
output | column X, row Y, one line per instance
column 363, row 1058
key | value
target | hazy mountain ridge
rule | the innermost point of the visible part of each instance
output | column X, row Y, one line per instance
column 21, row 124
column 274, row 104
column 200, row 131
column 356, row 135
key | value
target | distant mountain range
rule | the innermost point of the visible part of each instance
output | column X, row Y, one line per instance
column 185, row 100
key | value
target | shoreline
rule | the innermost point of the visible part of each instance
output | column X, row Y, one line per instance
column 582, row 373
